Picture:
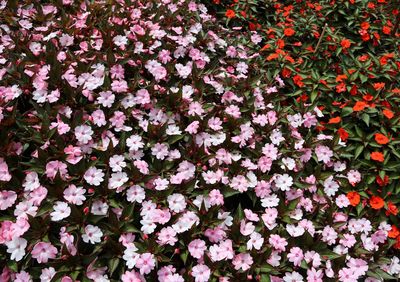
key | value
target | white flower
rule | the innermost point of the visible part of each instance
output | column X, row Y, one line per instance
column 283, row 182
column 134, row 143
column 61, row 211
column 83, row 133
column 130, row 255
column 120, row 40
column 117, row 180
column 47, row 274
column 94, row 176
column 176, row 202
column 92, row 234
column 256, row 241
column 293, row 277
column 270, row 201
column 117, row 162
column 330, row 186
column 99, row 208
column 16, row 248
column 31, row 181
column 74, row 195
column 295, row 231
column 135, row 194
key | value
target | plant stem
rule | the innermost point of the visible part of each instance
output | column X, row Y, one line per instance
column 320, row 38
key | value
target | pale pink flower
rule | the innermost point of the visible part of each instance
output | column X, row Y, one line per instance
column 44, row 251
column 242, row 261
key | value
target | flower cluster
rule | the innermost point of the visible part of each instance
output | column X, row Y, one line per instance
column 143, row 141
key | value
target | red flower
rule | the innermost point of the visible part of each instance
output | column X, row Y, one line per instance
column 359, row 106
column 230, row 14
column 382, row 182
column 392, row 209
column 298, row 80
column 345, row 43
column 388, row 113
column 376, row 202
column 394, row 232
column 343, row 134
column 381, row 139
column 354, row 198
column 288, row 31
column 334, row 120
column 377, row 156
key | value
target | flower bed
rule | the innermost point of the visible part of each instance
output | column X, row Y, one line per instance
column 148, row 142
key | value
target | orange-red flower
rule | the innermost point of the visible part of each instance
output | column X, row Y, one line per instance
column 377, row 156
column 359, row 106
column 288, row 31
column 379, row 85
column 381, row 139
column 298, row 80
column 334, row 120
column 391, row 209
column 388, row 113
column 376, row 202
column 394, row 232
column 354, row 198
column 345, row 43
column 230, row 14
column 343, row 134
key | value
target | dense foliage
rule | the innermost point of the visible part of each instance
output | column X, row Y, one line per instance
column 173, row 141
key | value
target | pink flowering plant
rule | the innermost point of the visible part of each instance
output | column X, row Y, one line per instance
column 142, row 141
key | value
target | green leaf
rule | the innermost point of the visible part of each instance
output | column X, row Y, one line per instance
column 358, row 151
column 265, row 278
column 365, row 118
column 112, row 265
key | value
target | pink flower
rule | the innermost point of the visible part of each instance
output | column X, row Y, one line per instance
column 197, row 248
column 145, row 263
column 4, row 174
column 132, row 276
column 201, row 273
column 44, row 251
column 242, row 261
column 56, row 166
column 277, row 242
column 295, row 256
column 7, row 199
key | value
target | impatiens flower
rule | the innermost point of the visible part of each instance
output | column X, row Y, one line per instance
column 92, row 234
column 381, row 139
column 61, row 211
column 242, row 261
column 377, row 156
column 83, row 133
column 74, row 195
column 201, row 273
column 376, row 202
column 117, row 179
column 135, row 194
column 176, row 202
column 94, row 176
column 354, row 198
column 197, row 248
column 295, row 256
column 145, row 263
column 47, row 274
column 256, row 241
column 44, row 251
column 16, row 248
column 283, row 182
column 7, row 199
column 277, row 242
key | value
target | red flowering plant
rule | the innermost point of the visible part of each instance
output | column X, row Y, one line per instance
column 146, row 142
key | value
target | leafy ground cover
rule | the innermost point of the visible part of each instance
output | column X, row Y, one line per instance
column 199, row 141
